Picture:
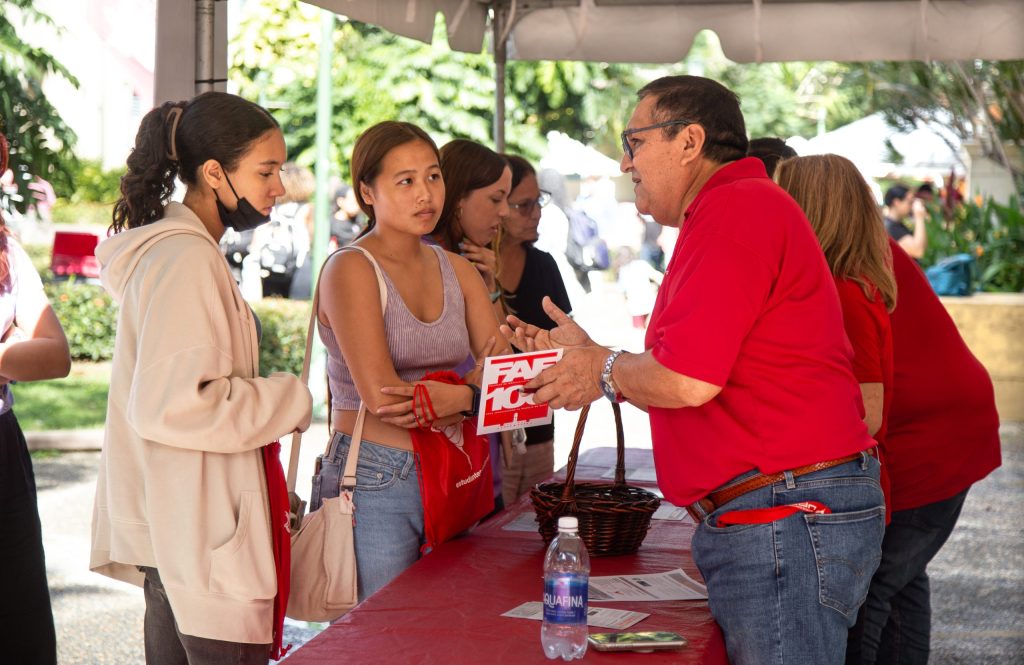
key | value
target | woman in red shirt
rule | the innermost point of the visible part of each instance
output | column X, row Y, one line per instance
column 843, row 213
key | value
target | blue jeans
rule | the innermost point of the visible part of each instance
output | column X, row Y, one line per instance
column 787, row 592
column 388, row 508
column 895, row 622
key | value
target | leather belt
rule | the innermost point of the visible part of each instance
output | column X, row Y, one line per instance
column 698, row 510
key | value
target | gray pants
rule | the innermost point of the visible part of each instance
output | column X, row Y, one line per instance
column 166, row 645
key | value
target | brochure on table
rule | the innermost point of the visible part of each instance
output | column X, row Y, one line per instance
column 672, row 585
column 599, row 617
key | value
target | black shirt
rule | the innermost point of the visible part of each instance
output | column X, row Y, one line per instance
column 896, row 230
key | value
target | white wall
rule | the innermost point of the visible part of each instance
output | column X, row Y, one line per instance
column 108, row 46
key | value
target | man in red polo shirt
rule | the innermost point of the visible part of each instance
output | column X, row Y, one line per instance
column 747, row 380
column 942, row 437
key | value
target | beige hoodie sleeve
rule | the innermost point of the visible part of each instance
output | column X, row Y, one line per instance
column 191, row 388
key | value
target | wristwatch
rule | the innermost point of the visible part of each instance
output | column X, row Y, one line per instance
column 474, row 410
column 607, row 385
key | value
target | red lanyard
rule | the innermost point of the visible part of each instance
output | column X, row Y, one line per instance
column 767, row 515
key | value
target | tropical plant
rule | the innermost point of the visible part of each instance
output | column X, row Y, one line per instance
column 40, row 139
column 979, row 100
column 991, row 232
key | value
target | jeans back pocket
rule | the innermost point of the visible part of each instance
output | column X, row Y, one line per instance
column 847, row 549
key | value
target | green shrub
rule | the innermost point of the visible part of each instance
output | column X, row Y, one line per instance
column 93, row 183
column 40, row 256
column 284, row 334
column 89, row 213
column 89, row 317
column 988, row 231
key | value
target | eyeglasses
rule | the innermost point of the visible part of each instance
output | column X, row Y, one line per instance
column 527, row 207
column 628, row 149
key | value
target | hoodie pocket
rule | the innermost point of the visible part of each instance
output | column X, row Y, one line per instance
column 244, row 567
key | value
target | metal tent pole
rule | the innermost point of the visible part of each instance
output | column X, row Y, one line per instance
column 500, row 57
column 204, row 45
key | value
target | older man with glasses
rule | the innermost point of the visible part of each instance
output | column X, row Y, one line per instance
column 756, row 417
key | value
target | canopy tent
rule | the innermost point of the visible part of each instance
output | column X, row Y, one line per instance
column 570, row 157
column 750, row 30
column 628, row 31
column 928, row 151
column 662, row 31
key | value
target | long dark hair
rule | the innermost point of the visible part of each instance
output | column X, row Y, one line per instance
column 174, row 140
column 466, row 167
column 520, row 169
column 369, row 152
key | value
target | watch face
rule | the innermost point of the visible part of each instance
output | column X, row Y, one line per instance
column 606, row 387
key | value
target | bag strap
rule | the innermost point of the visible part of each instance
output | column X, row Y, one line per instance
column 357, row 433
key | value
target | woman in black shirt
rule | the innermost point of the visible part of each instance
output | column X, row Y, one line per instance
column 527, row 275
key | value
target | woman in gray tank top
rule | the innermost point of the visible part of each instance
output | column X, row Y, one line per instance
column 437, row 313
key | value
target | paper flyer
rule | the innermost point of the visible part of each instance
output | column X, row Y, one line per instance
column 673, row 585
column 502, row 405
column 599, row 617
column 666, row 511
column 647, row 475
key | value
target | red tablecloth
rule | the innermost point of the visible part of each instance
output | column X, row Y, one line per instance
column 447, row 607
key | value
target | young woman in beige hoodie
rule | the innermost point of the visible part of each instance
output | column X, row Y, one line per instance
column 182, row 496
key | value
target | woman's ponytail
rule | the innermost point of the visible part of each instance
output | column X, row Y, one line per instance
column 152, row 167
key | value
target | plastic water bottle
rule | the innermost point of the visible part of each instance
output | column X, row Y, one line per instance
column 566, row 578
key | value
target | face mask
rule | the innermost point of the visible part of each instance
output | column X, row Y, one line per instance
column 242, row 218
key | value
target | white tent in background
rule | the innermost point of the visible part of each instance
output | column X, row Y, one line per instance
column 929, row 151
column 570, row 157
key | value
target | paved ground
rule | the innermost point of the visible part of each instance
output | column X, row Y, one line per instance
column 976, row 579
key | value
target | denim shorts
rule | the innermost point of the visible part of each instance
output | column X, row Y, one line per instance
column 388, row 510
column 788, row 591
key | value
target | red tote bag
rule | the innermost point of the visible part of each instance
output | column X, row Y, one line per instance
column 456, row 481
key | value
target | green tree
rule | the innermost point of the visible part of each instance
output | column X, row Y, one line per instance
column 41, row 141
column 978, row 100
column 377, row 76
column 782, row 98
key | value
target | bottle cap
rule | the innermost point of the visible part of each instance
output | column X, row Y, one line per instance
column 568, row 523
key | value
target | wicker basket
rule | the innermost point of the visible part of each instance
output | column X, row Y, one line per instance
column 614, row 517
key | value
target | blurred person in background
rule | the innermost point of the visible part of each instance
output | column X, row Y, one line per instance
column 282, row 246
column 32, row 348
column 901, row 203
column 526, row 276
column 770, row 150
column 347, row 219
column 639, row 281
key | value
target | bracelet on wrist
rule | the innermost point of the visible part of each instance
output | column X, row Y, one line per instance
column 474, row 408
column 495, row 295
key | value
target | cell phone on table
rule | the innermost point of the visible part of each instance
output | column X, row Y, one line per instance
column 646, row 641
